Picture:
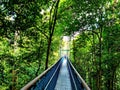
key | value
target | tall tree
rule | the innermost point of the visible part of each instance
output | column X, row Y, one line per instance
column 52, row 23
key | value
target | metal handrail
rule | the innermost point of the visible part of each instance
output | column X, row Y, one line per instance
column 72, row 77
column 28, row 86
column 82, row 81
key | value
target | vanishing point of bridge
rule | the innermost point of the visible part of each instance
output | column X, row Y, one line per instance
column 61, row 76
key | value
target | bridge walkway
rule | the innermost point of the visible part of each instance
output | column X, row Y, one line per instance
column 63, row 81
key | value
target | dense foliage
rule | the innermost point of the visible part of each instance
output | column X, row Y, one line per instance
column 96, row 48
column 30, row 36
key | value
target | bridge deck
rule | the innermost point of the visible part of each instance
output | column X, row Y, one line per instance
column 63, row 82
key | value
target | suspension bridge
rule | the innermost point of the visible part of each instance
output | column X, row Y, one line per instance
column 61, row 76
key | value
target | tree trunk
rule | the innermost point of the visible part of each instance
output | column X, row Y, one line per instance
column 73, row 48
column 39, row 59
column 100, row 58
column 93, row 60
column 14, row 75
column 52, row 23
column 14, row 80
column 48, row 52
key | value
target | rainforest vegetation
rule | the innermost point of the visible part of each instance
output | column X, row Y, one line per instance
column 30, row 38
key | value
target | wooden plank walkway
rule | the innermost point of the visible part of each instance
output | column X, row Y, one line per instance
column 63, row 81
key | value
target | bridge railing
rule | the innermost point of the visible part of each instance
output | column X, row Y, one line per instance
column 79, row 78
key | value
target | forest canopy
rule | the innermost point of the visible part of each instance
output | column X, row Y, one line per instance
column 30, row 40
